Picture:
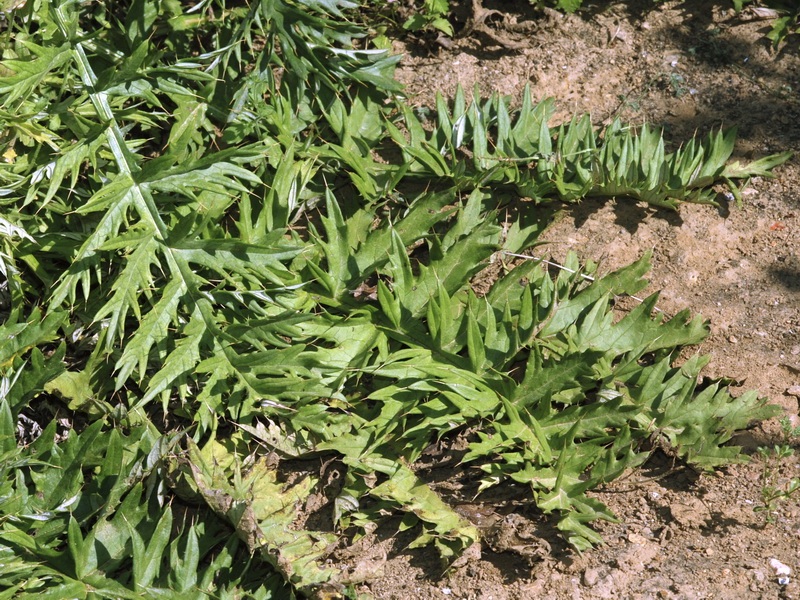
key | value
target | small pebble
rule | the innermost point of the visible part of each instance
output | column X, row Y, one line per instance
column 793, row 390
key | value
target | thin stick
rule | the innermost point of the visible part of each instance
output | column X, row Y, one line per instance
column 563, row 268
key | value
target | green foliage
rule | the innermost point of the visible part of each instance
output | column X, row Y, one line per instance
column 569, row 163
column 784, row 25
column 433, row 13
column 228, row 247
column 773, row 490
column 88, row 516
column 569, row 6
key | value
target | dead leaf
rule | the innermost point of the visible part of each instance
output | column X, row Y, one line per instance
column 365, row 292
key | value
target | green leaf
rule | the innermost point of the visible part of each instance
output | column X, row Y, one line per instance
column 146, row 566
column 20, row 336
column 76, row 388
column 544, row 381
column 190, row 118
column 405, row 489
column 29, row 74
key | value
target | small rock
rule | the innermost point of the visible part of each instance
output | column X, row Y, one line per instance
column 780, row 568
column 590, row 577
column 793, row 390
column 635, row 538
column 691, row 513
column 534, row 589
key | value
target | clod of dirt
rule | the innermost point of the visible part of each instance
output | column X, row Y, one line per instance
column 508, row 31
column 639, row 554
column 690, row 513
column 515, row 533
column 470, row 556
column 590, row 577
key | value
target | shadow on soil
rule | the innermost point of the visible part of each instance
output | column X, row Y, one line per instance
column 787, row 276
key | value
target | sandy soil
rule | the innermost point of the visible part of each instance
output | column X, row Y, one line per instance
column 689, row 67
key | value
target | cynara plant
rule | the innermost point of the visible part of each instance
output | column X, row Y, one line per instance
column 227, row 246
